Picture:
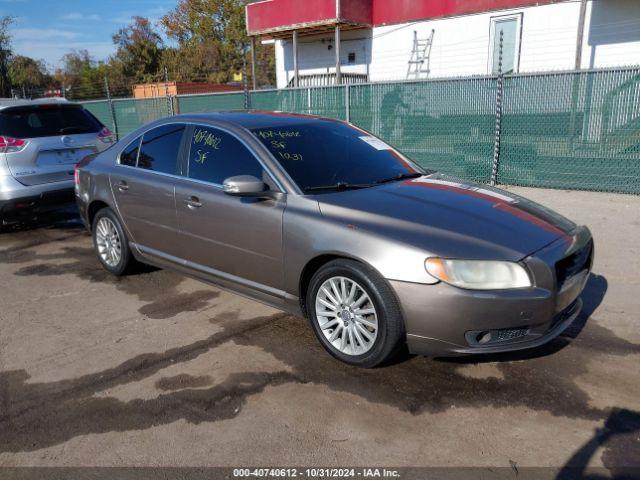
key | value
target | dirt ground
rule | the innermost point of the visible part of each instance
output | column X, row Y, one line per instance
column 159, row 370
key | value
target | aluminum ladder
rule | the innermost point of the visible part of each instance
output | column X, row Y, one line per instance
column 420, row 61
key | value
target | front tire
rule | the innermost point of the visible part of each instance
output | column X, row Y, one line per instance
column 111, row 244
column 354, row 313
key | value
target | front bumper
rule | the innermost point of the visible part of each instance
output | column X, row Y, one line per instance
column 442, row 320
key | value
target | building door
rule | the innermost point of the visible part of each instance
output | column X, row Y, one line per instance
column 509, row 27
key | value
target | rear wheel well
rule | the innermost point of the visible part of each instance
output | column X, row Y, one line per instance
column 307, row 273
column 93, row 209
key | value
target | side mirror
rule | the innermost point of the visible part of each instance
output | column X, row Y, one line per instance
column 244, row 186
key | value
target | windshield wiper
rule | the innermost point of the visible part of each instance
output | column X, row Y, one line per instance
column 340, row 186
column 402, row 176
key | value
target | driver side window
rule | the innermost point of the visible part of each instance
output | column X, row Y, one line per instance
column 215, row 155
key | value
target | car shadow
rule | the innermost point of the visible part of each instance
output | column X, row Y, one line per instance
column 63, row 218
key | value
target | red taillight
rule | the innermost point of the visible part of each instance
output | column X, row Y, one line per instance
column 76, row 174
column 10, row 144
column 106, row 135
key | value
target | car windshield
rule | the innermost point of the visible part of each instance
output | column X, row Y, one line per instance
column 48, row 120
column 326, row 155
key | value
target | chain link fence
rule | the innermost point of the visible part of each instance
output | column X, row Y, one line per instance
column 574, row 130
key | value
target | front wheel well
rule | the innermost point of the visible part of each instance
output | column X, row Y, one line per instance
column 93, row 209
column 309, row 270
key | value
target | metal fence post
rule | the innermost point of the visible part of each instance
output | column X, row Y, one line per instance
column 245, row 82
column 112, row 109
column 498, row 131
column 166, row 92
column 347, row 102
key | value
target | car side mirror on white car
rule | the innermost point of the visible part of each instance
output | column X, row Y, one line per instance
column 244, row 186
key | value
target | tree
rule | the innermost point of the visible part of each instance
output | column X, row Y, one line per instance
column 217, row 27
column 81, row 76
column 5, row 55
column 28, row 74
column 139, row 51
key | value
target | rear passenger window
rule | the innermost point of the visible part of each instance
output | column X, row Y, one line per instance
column 160, row 149
column 215, row 155
column 129, row 155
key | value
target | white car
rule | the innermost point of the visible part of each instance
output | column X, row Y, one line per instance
column 40, row 143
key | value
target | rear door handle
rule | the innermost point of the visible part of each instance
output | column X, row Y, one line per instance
column 123, row 187
column 193, row 202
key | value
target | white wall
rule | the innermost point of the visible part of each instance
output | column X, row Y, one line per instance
column 612, row 34
column 317, row 55
column 462, row 45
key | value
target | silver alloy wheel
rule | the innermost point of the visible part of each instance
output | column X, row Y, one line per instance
column 346, row 315
column 108, row 242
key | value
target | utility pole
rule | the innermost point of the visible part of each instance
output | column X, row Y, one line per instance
column 254, row 80
column 337, row 48
column 296, row 76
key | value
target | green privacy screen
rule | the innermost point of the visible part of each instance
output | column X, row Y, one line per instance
column 325, row 101
column 101, row 110
column 133, row 113
column 575, row 130
column 446, row 125
column 210, row 103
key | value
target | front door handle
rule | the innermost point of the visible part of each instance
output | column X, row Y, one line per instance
column 193, row 203
column 122, row 186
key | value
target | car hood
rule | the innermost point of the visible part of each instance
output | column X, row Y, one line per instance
column 450, row 218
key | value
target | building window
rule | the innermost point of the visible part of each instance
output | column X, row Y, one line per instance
column 352, row 58
column 510, row 27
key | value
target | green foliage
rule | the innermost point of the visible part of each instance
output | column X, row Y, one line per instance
column 209, row 44
column 139, row 51
column 28, row 74
column 215, row 28
column 81, row 76
column 5, row 55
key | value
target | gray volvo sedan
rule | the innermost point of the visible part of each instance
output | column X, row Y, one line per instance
column 322, row 219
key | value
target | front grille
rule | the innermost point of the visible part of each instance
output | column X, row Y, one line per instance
column 574, row 263
column 492, row 337
column 511, row 334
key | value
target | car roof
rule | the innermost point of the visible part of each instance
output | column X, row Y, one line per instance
column 259, row 119
column 18, row 102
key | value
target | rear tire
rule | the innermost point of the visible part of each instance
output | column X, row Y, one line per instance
column 111, row 243
column 354, row 313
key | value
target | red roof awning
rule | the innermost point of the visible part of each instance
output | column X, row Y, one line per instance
column 271, row 17
column 275, row 17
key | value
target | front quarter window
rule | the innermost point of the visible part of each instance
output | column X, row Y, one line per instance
column 322, row 153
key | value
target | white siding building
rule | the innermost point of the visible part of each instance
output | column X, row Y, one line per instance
column 537, row 36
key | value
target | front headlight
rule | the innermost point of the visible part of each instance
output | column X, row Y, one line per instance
column 479, row 274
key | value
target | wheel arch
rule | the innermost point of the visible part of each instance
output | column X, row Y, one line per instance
column 94, row 207
column 315, row 264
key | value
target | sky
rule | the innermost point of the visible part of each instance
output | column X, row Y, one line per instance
column 47, row 29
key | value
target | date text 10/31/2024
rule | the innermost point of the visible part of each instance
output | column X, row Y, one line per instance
column 315, row 473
